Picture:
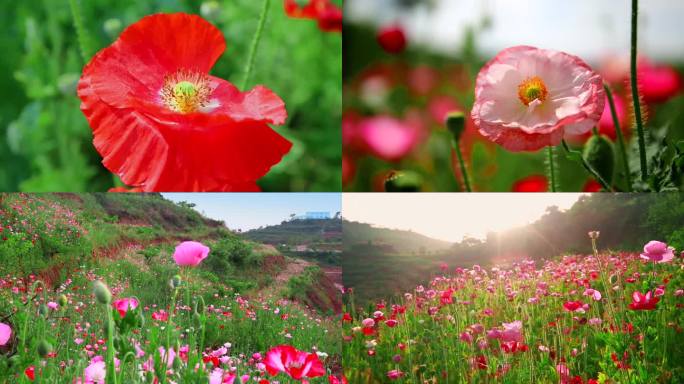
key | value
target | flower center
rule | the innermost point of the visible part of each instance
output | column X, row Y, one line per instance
column 185, row 91
column 294, row 364
column 533, row 88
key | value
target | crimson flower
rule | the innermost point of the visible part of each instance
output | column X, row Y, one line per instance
column 392, row 39
column 327, row 14
column 643, row 302
column 575, row 306
column 533, row 183
column 30, row 372
column 162, row 123
column 297, row 364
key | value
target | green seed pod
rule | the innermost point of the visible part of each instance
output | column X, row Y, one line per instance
column 598, row 152
column 43, row 310
column 14, row 360
column 112, row 27
column 102, row 293
column 403, row 181
column 455, row 122
column 210, row 10
column 63, row 301
column 44, row 348
column 176, row 281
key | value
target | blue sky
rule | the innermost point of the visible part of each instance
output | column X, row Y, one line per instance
column 588, row 28
column 250, row 210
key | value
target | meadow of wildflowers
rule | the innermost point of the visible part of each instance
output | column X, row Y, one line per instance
column 151, row 309
column 603, row 317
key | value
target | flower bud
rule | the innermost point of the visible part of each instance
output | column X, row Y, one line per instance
column 598, row 152
column 455, row 122
column 112, row 27
column 403, row 181
column 44, row 348
column 63, row 301
column 43, row 310
column 102, row 293
column 176, row 281
column 210, row 10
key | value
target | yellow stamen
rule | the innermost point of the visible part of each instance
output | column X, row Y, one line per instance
column 185, row 91
column 533, row 88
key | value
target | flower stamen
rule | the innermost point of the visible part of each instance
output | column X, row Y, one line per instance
column 533, row 88
column 185, row 91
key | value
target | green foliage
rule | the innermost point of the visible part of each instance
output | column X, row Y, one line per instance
column 298, row 286
column 46, row 141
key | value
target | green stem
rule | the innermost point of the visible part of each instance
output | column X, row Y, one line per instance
column 80, row 29
column 551, row 168
column 464, row 172
column 620, row 138
column 588, row 167
column 255, row 43
column 635, row 93
column 111, row 352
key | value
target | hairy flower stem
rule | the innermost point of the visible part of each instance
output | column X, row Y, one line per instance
column 464, row 172
column 551, row 168
column 111, row 352
column 80, row 29
column 635, row 93
column 620, row 138
column 255, row 43
column 587, row 166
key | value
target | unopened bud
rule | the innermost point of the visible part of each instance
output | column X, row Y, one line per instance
column 455, row 122
column 598, row 152
column 403, row 181
column 63, row 301
column 44, row 348
column 102, row 293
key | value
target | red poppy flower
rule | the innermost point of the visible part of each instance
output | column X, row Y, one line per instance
column 328, row 15
column 534, row 183
column 162, row 123
column 392, row 39
column 592, row 186
column 643, row 302
column 30, row 373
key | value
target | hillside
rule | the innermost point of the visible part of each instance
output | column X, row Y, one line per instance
column 298, row 231
column 48, row 234
column 391, row 240
column 625, row 221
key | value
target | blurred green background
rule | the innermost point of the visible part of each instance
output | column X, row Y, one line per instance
column 45, row 141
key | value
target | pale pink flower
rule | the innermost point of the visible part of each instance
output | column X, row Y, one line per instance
column 593, row 293
column 190, row 253
column 368, row 323
column 512, row 332
column 528, row 98
column 52, row 305
column 96, row 372
column 5, row 334
column 657, row 251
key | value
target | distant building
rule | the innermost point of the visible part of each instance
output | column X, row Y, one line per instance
column 314, row 216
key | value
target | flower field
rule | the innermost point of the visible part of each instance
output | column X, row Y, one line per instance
column 607, row 317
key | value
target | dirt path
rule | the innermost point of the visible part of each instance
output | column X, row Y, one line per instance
column 335, row 274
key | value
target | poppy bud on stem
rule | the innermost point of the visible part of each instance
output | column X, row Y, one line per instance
column 455, row 123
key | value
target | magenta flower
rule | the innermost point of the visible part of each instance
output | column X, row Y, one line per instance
column 528, row 98
column 96, row 372
column 512, row 332
column 5, row 334
column 123, row 305
column 389, row 138
column 190, row 253
column 395, row 374
column 657, row 252
column 596, row 295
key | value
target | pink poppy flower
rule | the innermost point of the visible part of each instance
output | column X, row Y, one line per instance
column 96, row 372
column 512, row 332
column 657, row 252
column 190, row 253
column 395, row 374
column 657, row 83
column 297, row 364
column 5, row 334
column 389, row 138
column 596, row 295
column 528, row 98
column 123, row 305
